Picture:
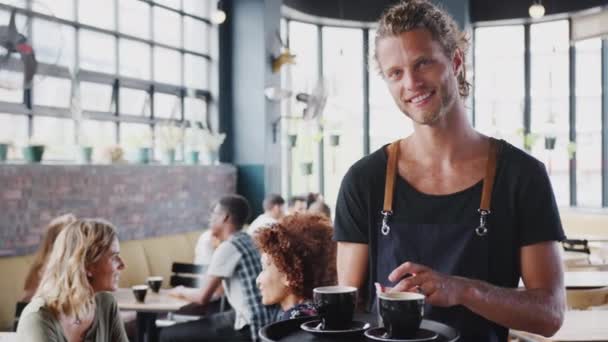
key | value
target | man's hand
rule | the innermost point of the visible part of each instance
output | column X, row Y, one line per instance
column 439, row 289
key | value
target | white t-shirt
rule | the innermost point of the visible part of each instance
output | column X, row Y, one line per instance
column 204, row 249
column 223, row 264
column 260, row 222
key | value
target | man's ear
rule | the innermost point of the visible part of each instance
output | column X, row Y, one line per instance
column 457, row 62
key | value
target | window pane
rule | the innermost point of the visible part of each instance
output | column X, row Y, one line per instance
column 167, row 66
column 167, row 27
column 168, row 137
column 134, row 59
column 13, row 130
column 97, row 52
column 499, row 92
column 197, row 7
column 170, row 3
column 303, row 38
column 195, row 72
column 52, row 91
column 196, row 35
column 343, row 114
column 588, row 116
column 99, row 134
column 11, row 86
column 167, row 106
column 98, row 13
column 59, row 8
column 134, row 102
column 96, row 97
column 57, row 135
column 134, row 18
column 134, row 136
column 387, row 123
column 549, row 43
column 195, row 110
column 54, row 43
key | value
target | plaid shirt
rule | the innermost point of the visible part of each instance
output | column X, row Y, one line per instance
column 247, row 270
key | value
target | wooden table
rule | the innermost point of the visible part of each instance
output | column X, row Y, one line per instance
column 148, row 311
column 585, row 279
column 587, row 325
column 8, row 337
column 582, row 280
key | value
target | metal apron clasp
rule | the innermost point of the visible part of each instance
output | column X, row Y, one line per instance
column 482, row 230
column 385, row 227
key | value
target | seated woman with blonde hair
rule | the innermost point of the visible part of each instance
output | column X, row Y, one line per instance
column 52, row 230
column 298, row 254
column 70, row 303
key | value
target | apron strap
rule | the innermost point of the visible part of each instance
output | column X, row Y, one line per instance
column 486, row 194
column 389, row 184
column 488, row 181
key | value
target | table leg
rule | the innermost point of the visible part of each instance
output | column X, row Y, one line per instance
column 146, row 327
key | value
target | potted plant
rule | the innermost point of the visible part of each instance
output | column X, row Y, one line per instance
column 212, row 142
column 306, row 168
column 293, row 139
column 170, row 138
column 33, row 151
column 113, row 155
column 140, row 146
column 4, row 151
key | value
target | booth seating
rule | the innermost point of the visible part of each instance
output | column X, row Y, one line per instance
column 148, row 257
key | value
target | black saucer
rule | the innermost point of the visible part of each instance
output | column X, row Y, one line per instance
column 314, row 326
column 379, row 334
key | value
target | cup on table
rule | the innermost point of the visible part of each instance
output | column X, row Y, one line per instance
column 336, row 306
column 139, row 291
column 401, row 313
column 155, row 283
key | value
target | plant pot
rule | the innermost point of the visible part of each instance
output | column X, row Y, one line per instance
column 550, row 143
column 3, row 152
column 306, row 168
column 85, row 155
column 334, row 140
column 33, row 153
column 192, row 157
column 293, row 139
column 214, row 158
column 143, row 155
column 168, row 156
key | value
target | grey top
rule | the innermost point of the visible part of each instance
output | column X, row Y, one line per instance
column 38, row 324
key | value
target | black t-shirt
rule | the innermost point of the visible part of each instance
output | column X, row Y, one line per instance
column 524, row 210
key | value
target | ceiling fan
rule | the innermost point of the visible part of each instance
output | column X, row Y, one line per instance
column 14, row 42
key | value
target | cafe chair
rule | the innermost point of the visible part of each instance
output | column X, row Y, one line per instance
column 586, row 299
column 187, row 275
column 18, row 310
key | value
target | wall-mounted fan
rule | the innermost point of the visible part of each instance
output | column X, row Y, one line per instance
column 315, row 103
column 12, row 42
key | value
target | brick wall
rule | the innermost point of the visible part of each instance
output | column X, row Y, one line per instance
column 141, row 200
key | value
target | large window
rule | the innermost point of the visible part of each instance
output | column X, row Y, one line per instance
column 588, row 116
column 343, row 114
column 499, row 91
column 108, row 75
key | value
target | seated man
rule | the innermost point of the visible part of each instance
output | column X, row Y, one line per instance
column 273, row 211
column 235, row 265
column 296, row 204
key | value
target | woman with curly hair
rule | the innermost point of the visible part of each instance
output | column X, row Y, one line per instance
column 70, row 303
column 298, row 254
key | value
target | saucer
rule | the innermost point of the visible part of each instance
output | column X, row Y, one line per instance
column 379, row 334
column 314, row 327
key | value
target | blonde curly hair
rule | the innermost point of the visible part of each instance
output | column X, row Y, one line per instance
column 409, row 15
column 65, row 287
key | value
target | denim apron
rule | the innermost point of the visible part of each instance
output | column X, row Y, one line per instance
column 459, row 249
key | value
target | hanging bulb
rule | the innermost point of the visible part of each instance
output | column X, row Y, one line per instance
column 536, row 10
column 218, row 16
